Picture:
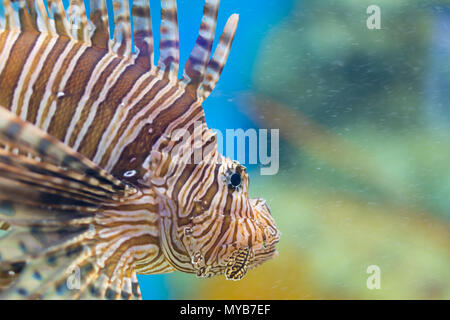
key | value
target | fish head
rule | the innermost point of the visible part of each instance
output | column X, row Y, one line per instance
column 224, row 232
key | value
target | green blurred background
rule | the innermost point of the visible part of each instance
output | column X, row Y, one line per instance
column 364, row 118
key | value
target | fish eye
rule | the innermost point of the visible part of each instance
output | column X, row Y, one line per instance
column 235, row 180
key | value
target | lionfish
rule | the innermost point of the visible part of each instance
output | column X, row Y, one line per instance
column 97, row 184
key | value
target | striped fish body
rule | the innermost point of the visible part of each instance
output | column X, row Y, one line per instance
column 99, row 174
column 107, row 108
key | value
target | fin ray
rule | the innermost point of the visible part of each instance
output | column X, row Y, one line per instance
column 169, row 43
column 12, row 21
column 58, row 17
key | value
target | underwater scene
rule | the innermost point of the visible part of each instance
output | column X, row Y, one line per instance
column 343, row 110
